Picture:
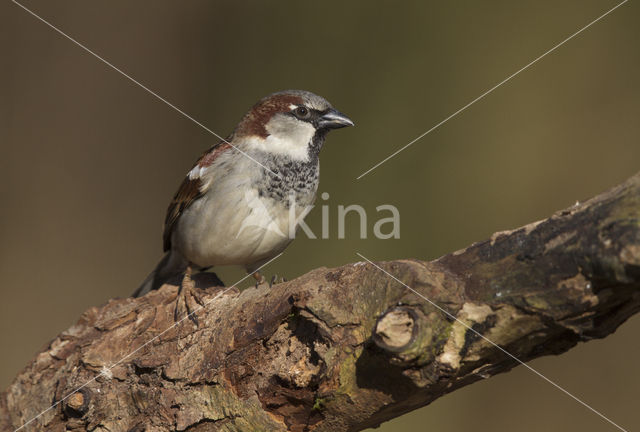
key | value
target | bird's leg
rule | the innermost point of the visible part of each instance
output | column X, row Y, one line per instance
column 259, row 278
column 187, row 296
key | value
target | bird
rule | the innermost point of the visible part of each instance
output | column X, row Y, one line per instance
column 235, row 205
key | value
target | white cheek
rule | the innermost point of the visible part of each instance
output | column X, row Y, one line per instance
column 289, row 138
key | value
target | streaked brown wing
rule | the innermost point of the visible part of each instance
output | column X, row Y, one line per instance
column 189, row 191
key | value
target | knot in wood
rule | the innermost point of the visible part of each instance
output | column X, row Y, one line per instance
column 78, row 403
column 396, row 329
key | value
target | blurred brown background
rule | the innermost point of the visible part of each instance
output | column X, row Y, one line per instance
column 90, row 160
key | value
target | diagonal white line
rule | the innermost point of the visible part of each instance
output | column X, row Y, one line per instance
column 107, row 370
column 490, row 90
column 140, row 85
column 492, row 343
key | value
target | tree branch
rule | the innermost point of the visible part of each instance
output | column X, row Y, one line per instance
column 341, row 349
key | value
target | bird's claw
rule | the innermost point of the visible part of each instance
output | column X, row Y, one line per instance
column 188, row 302
column 261, row 279
column 274, row 280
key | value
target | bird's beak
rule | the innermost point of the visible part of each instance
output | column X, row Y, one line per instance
column 334, row 119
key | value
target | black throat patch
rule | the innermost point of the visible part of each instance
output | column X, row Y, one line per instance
column 294, row 178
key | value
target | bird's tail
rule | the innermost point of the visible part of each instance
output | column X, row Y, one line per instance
column 169, row 266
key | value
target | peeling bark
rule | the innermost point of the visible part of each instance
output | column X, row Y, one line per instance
column 340, row 349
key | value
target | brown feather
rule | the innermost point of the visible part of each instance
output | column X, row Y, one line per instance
column 256, row 119
column 189, row 191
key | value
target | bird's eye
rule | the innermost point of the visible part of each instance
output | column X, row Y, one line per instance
column 301, row 112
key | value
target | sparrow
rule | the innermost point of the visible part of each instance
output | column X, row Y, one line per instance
column 234, row 205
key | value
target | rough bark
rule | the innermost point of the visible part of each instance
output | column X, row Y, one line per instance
column 341, row 349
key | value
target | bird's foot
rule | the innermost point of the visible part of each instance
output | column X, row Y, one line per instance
column 188, row 302
column 276, row 280
column 259, row 278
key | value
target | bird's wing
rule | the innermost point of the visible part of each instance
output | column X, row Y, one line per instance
column 190, row 190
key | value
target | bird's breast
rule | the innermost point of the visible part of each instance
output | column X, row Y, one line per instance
column 242, row 219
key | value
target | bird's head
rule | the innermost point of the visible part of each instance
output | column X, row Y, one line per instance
column 292, row 123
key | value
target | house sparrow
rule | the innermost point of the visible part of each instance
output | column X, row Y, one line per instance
column 225, row 209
